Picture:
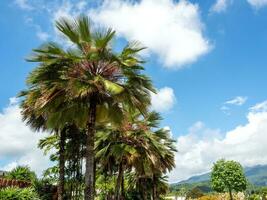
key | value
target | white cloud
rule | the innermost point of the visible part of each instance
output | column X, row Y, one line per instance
column 18, row 144
column 257, row 3
column 220, row 6
column 81, row 5
column 172, row 30
column 68, row 10
column 163, row 100
column 238, row 101
column 13, row 101
column 260, row 107
column 43, row 36
column 202, row 146
column 64, row 11
column 23, row 4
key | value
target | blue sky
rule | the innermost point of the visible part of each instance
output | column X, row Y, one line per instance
column 226, row 60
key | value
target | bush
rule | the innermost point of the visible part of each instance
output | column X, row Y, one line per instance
column 254, row 197
column 45, row 189
column 22, row 173
column 194, row 193
column 14, row 193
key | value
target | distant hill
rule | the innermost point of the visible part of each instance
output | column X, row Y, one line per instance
column 256, row 175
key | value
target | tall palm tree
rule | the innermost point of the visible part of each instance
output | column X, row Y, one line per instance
column 87, row 83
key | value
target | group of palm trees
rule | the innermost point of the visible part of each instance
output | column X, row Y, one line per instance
column 96, row 103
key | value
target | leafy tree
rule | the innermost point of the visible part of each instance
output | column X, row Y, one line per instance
column 22, row 173
column 228, row 176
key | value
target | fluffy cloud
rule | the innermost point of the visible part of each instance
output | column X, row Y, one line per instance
column 220, row 6
column 18, row 144
column 163, row 100
column 172, row 30
column 202, row 146
column 257, row 3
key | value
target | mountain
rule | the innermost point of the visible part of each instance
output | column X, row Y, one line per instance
column 256, row 175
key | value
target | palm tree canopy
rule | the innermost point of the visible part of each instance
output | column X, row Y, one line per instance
column 138, row 143
column 67, row 78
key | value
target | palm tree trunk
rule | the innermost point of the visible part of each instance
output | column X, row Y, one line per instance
column 143, row 189
column 122, row 186
column 119, row 180
column 154, row 189
column 61, row 164
column 90, row 154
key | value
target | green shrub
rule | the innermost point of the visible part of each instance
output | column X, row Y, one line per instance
column 45, row 189
column 22, row 173
column 14, row 193
column 194, row 193
column 254, row 197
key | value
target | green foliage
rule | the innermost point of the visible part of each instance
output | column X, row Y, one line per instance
column 22, row 173
column 14, row 193
column 259, row 193
column 194, row 193
column 254, row 197
column 228, row 175
column 204, row 186
column 45, row 189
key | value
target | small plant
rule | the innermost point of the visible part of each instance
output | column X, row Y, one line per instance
column 14, row 193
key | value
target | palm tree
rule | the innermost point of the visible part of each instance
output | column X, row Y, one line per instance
column 39, row 122
column 22, row 173
column 156, row 155
column 135, row 145
column 87, row 83
column 73, row 157
column 115, row 154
